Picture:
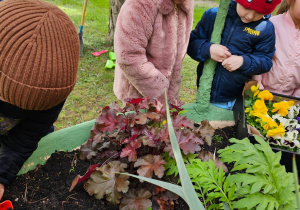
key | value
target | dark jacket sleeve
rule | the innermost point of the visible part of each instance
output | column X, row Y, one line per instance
column 260, row 61
column 22, row 141
column 199, row 43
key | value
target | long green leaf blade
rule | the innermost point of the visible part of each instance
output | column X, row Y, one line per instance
column 171, row 187
column 296, row 181
column 188, row 189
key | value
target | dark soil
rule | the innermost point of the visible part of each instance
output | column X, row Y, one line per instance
column 47, row 186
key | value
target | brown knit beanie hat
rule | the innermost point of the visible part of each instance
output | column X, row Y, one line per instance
column 39, row 54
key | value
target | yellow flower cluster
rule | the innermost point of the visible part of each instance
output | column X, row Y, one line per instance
column 260, row 111
column 282, row 107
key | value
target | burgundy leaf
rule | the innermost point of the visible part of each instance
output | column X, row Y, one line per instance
column 153, row 136
column 104, row 181
column 159, row 106
column 145, row 104
column 95, row 131
column 130, row 150
column 188, row 142
column 128, row 108
column 136, row 199
column 88, row 150
column 149, row 164
column 143, row 118
column 137, row 130
column 149, row 137
column 114, row 106
column 109, row 121
column 78, row 179
column 206, row 131
column 134, row 101
column 182, row 121
column 133, row 137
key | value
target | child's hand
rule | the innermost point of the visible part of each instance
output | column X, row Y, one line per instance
column 1, row 190
column 233, row 63
column 219, row 52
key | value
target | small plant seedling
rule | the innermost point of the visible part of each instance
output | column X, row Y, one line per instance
column 217, row 138
column 72, row 170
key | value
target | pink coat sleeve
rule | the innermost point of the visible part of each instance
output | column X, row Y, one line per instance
column 133, row 30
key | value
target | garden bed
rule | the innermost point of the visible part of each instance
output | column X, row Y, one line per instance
column 47, row 186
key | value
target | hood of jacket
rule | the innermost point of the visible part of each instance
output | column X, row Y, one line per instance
column 166, row 6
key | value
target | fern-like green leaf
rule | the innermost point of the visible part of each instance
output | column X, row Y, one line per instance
column 257, row 182
column 231, row 193
column 266, row 184
column 257, row 200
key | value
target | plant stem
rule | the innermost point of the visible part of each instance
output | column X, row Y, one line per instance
column 220, row 189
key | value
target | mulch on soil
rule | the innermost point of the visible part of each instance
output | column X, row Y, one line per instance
column 47, row 186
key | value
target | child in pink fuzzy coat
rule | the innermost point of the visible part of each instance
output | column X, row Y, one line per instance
column 151, row 40
column 284, row 77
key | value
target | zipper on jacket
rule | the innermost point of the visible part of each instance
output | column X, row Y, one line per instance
column 226, row 43
column 232, row 30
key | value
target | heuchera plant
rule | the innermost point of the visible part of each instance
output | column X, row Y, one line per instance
column 132, row 139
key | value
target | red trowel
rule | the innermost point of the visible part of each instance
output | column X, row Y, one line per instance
column 6, row 205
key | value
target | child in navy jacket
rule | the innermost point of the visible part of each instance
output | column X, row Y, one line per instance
column 246, row 49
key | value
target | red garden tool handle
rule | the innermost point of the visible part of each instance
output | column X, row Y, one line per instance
column 6, row 205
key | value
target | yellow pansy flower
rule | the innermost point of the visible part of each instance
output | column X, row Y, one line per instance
column 268, row 123
column 281, row 108
column 259, row 108
column 255, row 89
column 276, row 132
column 265, row 95
column 291, row 103
column 257, row 114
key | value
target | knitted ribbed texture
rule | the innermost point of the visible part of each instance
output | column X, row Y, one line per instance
column 39, row 54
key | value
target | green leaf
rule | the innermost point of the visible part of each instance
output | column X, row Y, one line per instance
column 263, row 174
column 190, row 195
column 226, row 206
column 249, row 202
column 247, row 103
column 171, row 187
column 226, row 185
column 256, row 187
column 231, row 192
column 214, row 206
column 296, row 181
column 241, row 167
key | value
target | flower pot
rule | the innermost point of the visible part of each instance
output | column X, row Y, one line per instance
column 286, row 156
column 242, row 130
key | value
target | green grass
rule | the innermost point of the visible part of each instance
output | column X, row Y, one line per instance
column 94, row 88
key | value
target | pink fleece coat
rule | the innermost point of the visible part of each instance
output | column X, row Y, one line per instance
column 284, row 77
column 151, row 40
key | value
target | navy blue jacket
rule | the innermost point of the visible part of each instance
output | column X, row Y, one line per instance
column 255, row 41
column 22, row 140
